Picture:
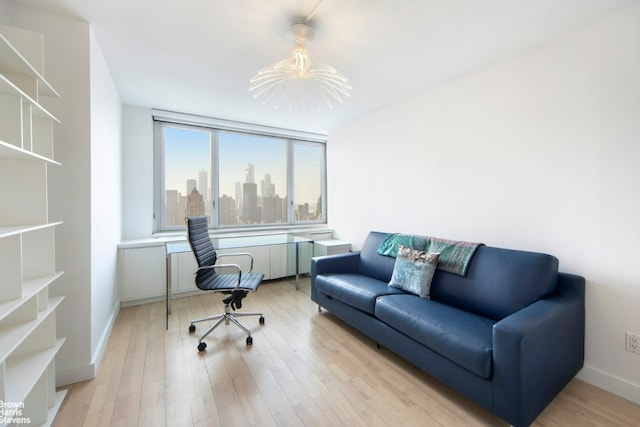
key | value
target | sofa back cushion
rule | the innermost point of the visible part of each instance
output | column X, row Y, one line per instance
column 499, row 282
column 373, row 265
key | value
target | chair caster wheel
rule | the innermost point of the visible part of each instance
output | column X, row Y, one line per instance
column 192, row 328
column 249, row 340
column 202, row 346
column 261, row 320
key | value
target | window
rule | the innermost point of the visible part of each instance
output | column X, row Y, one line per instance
column 186, row 170
column 308, row 169
column 253, row 179
column 238, row 177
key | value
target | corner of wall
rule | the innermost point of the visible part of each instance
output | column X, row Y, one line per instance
column 611, row 383
column 101, row 346
column 72, row 375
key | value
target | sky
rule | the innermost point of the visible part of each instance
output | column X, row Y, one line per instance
column 188, row 151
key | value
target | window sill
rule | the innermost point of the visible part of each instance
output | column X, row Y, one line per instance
column 160, row 238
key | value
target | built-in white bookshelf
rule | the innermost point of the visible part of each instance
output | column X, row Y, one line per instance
column 28, row 338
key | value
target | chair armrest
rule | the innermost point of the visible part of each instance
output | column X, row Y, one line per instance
column 213, row 267
column 221, row 266
column 537, row 351
column 240, row 254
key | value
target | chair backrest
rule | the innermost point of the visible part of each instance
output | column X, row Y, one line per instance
column 200, row 242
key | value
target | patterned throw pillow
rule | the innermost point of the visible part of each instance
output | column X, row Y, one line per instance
column 414, row 270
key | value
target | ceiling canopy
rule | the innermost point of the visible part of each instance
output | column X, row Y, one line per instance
column 198, row 56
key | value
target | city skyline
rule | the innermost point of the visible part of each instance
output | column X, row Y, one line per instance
column 248, row 207
column 243, row 159
column 188, row 151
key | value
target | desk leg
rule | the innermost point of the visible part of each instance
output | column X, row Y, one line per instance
column 297, row 265
column 168, row 290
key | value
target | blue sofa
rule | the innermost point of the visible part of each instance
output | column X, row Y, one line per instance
column 509, row 334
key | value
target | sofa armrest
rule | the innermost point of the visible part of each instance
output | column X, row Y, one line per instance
column 537, row 351
column 339, row 263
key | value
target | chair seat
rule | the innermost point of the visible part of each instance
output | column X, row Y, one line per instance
column 228, row 282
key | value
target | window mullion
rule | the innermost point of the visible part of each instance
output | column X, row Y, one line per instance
column 215, row 180
column 323, row 184
column 159, row 214
column 290, row 184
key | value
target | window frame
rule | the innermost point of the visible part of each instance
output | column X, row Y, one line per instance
column 161, row 119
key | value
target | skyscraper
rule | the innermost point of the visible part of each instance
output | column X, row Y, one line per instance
column 303, row 212
column 319, row 208
column 228, row 215
column 238, row 190
column 191, row 184
column 250, row 177
column 269, row 209
column 268, row 189
column 250, row 212
column 171, row 199
column 203, row 188
column 195, row 204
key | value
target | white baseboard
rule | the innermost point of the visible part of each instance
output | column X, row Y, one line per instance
column 104, row 339
column 75, row 374
column 132, row 303
column 611, row 383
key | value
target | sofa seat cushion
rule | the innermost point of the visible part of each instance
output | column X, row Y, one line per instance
column 355, row 290
column 462, row 337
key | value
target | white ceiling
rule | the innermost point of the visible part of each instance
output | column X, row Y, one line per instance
column 197, row 56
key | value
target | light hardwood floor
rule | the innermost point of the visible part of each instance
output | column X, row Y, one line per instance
column 304, row 368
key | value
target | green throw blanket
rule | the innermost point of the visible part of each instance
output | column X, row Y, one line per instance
column 454, row 255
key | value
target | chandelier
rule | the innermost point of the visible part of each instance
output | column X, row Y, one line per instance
column 299, row 82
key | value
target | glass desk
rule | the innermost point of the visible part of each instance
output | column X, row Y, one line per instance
column 177, row 247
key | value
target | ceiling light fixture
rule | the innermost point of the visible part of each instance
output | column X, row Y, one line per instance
column 300, row 81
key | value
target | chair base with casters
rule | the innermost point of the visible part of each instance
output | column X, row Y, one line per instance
column 227, row 279
column 232, row 301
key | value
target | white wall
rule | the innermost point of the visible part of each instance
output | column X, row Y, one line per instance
column 537, row 153
column 137, row 173
column 106, row 212
column 75, row 191
column 4, row 12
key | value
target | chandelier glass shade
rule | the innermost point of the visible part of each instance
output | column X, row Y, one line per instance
column 299, row 82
